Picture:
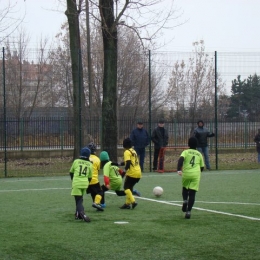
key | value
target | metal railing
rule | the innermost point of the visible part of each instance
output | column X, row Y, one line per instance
column 57, row 133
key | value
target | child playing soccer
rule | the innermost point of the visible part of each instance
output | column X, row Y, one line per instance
column 81, row 174
column 94, row 187
column 133, row 173
column 112, row 174
column 190, row 165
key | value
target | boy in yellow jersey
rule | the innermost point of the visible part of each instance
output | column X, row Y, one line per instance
column 94, row 187
column 81, row 174
column 133, row 173
column 190, row 165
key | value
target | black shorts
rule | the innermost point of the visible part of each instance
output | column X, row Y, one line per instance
column 94, row 189
column 130, row 182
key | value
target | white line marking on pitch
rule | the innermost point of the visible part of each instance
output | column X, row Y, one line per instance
column 201, row 209
column 153, row 200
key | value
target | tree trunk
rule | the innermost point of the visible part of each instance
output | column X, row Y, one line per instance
column 77, row 75
column 109, row 104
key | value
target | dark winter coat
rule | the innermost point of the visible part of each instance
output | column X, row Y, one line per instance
column 160, row 137
column 202, row 134
column 257, row 141
column 140, row 138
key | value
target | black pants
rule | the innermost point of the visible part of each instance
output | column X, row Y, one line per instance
column 155, row 158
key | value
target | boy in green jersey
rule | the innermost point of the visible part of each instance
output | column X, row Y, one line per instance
column 81, row 174
column 133, row 173
column 190, row 165
column 112, row 174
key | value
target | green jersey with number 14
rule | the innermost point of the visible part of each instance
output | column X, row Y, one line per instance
column 193, row 161
column 82, row 171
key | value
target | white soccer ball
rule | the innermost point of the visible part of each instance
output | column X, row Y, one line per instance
column 157, row 191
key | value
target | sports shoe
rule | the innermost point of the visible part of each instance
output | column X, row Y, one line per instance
column 77, row 216
column 97, row 206
column 103, row 205
column 125, row 206
column 187, row 215
column 84, row 217
column 134, row 205
column 137, row 193
column 184, row 206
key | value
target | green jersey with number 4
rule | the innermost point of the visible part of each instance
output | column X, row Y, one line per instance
column 193, row 161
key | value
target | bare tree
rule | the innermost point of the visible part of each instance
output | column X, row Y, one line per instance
column 72, row 13
column 26, row 75
column 191, row 87
column 132, row 15
column 9, row 21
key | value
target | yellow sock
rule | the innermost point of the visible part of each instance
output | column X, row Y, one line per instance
column 97, row 199
column 129, row 196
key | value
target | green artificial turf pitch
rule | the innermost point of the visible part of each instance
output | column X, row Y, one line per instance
column 37, row 220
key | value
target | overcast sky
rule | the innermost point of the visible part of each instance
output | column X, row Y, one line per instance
column 224, row 25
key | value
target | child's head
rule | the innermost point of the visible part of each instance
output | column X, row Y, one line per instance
column 84, row 153
column 127, row 143
column 193, row 142
column 92, row 147
column 104, row 158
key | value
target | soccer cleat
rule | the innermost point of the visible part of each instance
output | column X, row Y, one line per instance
column 84, row 217
column 125, row 206
column 134, row 205
column 184, row 206
column 187, row 215
column 103, row 205
column 77, row 216
column 97, row 206
column 137, row 193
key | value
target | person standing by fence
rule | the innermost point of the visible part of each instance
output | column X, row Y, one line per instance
column 202, row 134
column 160, row 139
column 257, row 141
column 140, row 139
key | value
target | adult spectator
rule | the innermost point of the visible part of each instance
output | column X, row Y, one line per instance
column 257, row 141
column 160, row 139
column 202, row 134
column 140, row 139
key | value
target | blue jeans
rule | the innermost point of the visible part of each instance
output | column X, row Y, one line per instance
column 259, row 157
column 141, row 154
column 205, row 152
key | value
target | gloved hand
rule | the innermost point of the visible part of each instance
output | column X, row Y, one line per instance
column 122, row 173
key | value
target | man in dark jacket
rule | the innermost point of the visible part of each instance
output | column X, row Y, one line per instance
column 160, row 139
column 257, row 141
column 140, row 139
column 202, row 134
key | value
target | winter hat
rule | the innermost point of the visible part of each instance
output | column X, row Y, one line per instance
column 127, row 143
column 104, row 156
column 193, row 142
column 92, row 147
column 200, row 121
column 85, row 152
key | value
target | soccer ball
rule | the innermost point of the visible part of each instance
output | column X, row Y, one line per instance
column 158, row 191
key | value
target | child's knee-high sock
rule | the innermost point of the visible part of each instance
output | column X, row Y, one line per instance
column 98, row 199
column 191, row 201
column 185, row 194
column 129, row 196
